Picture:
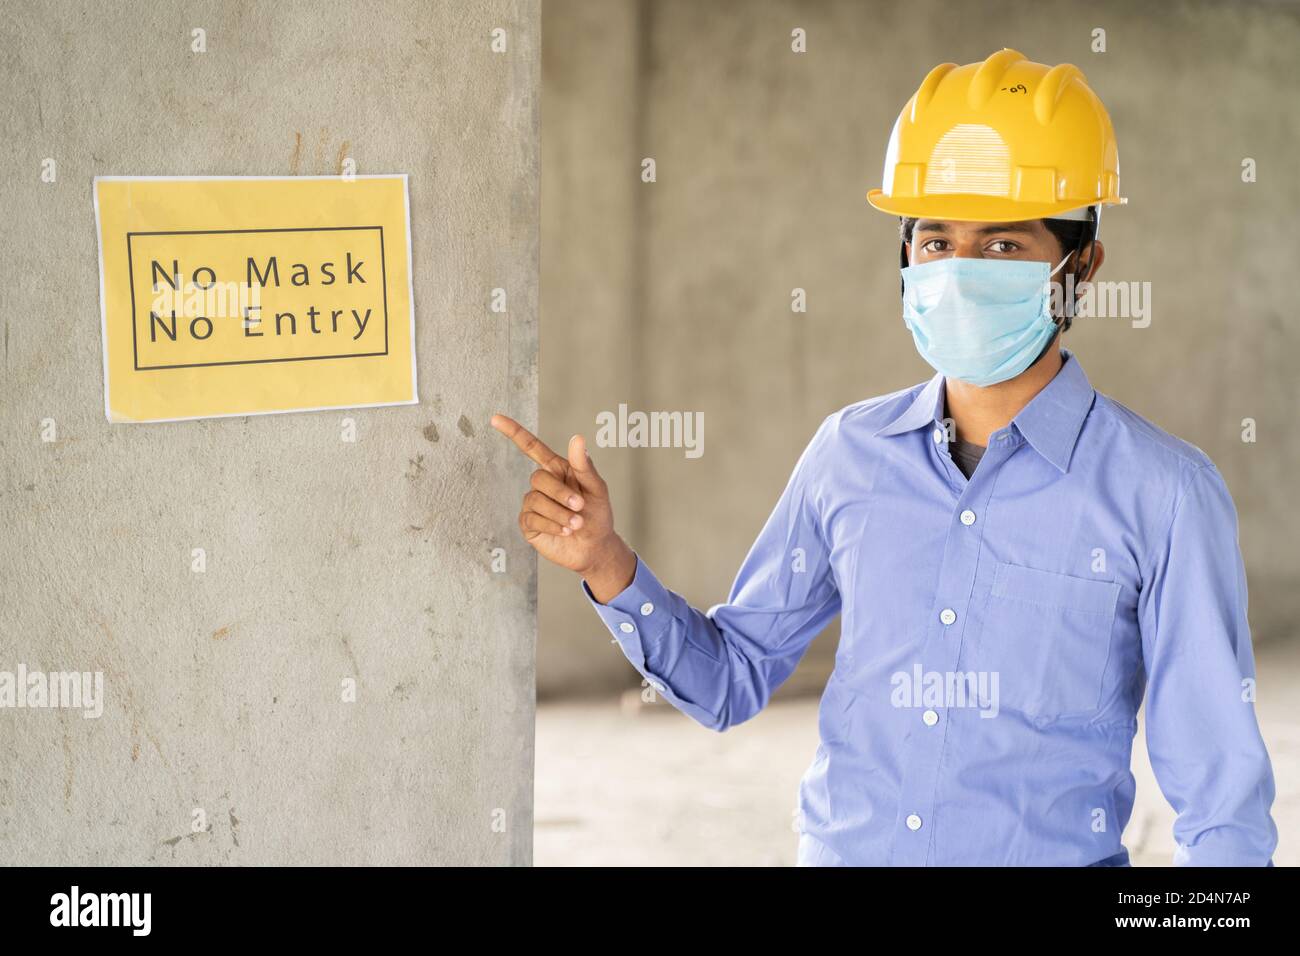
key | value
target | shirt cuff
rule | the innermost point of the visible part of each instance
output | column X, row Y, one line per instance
column 1221, row 853
column 638, row 616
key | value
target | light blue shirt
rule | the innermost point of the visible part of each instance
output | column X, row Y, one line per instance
column 997, row 636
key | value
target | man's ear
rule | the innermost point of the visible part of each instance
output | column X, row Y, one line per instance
column 1094, row 254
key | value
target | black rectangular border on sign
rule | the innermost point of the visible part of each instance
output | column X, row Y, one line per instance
column 130, row 268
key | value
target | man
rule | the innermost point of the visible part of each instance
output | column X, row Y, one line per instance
column 1016, row 557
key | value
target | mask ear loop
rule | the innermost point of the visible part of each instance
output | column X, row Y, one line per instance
column 1068, row 307
column 1088, row 235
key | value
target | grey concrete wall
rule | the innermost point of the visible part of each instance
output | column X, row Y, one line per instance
column 591, row 297
column 325, row 560
column 764, row 159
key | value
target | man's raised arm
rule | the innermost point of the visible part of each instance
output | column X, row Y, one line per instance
column 719, row 667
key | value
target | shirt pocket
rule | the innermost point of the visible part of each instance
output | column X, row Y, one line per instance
column 1047, row 635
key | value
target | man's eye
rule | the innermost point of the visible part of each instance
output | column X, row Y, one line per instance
column 934, row 245
column 1003, row 246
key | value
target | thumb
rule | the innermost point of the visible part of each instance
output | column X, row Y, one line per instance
column 583, row 468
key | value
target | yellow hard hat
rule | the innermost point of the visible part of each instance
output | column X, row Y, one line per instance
column 1000, row 141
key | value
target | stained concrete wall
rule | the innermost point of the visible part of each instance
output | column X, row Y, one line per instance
column 676, row 295
column 326, row 560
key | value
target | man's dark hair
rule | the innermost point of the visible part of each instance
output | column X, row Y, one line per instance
column 1072, row 234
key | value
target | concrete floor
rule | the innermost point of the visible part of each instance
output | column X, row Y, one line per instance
column 622, row 783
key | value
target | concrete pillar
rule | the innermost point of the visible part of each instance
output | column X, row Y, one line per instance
column 224, row 737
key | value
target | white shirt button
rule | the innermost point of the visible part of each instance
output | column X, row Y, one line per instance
column 647, row 609
column 913, row 822
column 938, row 436
column 947, row 615
column 626, row 627
column 968, row 517
column 930, row 718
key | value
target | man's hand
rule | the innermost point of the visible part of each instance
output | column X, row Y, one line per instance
column 566, row 516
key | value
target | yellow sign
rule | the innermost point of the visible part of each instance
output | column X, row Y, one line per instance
column 243, row 296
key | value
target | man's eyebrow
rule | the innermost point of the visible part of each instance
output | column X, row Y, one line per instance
column 1023, row 228
column 1020, row 227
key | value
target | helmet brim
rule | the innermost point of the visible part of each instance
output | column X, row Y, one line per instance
column 966, row 207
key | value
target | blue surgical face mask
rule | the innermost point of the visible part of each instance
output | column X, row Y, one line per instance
column 979, row 320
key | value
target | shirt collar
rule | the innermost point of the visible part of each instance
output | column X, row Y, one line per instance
column 925, row 409
column 1051, row 422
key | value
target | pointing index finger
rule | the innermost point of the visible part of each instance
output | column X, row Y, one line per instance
column 527, row 442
